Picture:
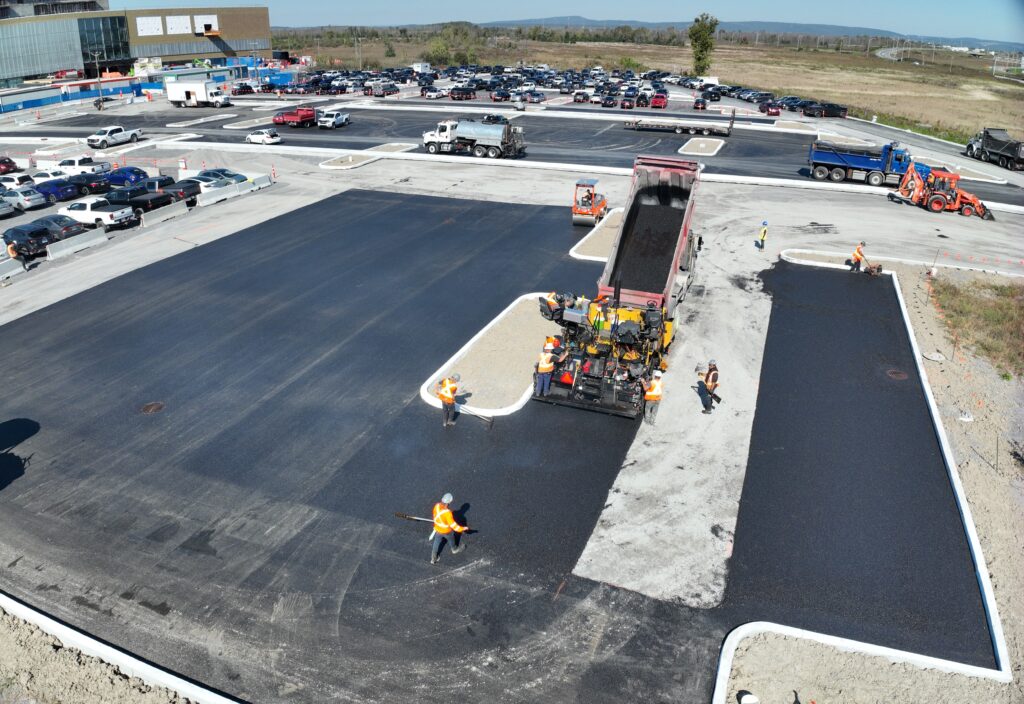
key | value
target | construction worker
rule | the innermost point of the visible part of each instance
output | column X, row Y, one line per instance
column 446, row 390
column 652, row 396
column 545, row 368
column 763, row 235
column 552, row 300
column 444, row 526
column 702, row 388
column 12, row 252
column 711, row 381
column 857, row 257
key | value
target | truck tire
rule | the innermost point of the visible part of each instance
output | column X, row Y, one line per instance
column 100, row 225
column 936, row 204
column 967, row 211
column 679, row 130
column 103, row 144
column 705, row 131
column 875, row 178
column 692, row 130
column 819, row 173
column 971, row 151
column 837, row 175
column 479, row 151
column 431, row 148
column 1002, row 162
column 493, row 153
column 135, row 138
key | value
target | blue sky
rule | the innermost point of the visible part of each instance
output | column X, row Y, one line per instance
column 985, row 19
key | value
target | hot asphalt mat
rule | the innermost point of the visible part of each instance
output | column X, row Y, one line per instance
column 206, row 455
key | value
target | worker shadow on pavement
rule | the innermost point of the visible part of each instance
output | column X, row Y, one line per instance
column 12, row 433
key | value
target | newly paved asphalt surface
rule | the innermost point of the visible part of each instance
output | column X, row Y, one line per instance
column 583, row 141
column 244, row 534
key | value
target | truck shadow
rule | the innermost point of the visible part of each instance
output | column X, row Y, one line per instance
column 12, row 433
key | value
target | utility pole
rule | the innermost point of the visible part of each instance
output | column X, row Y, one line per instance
column 99, row 80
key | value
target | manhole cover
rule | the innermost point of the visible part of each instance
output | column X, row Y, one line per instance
column 151, row 408
column 896, row 374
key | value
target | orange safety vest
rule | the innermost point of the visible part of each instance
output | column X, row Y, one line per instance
column 653, row 392
column 552, row 300
column 444, row 521
column 12, row 251
column 858, row 254
column 447, row 391
column 711, row 380
column 545, row 363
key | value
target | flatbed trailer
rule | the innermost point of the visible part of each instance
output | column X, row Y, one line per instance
column 683, row 126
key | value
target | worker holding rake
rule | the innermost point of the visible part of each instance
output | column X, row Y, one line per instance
column 445, row 529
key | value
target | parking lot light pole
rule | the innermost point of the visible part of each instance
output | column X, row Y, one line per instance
column 99, row 79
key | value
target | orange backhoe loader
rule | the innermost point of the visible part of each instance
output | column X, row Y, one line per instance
column 937, row 190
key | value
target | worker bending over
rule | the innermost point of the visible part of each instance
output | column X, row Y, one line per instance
column 545, row 368
column 446, row 390
column 445, row 526
column 652, row 396
column 857, row 257
column 707, row 383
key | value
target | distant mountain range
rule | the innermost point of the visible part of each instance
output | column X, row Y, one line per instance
column 823, row 30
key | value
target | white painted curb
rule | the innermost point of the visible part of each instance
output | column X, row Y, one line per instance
column 127, row 663
column 683, row 149
column 1002, row 674
column 597, row 228
column 432, row 400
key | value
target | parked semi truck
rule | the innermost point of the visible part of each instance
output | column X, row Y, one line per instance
column 998, row 147
column 478, row 138
column 196, row 94
column 614, row 343
column 874, row 165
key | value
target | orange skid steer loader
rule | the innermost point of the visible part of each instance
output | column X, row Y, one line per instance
column 938, row 191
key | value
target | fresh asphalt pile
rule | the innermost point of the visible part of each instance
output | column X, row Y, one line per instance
column 648, row 244
column 243, row 533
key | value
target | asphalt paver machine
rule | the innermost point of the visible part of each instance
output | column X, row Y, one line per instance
column 621, row 336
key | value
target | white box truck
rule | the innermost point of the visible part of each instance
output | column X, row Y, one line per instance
column 196, row 94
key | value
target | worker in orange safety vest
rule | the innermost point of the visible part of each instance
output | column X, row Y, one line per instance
column 545, row 368
column 445, row 526
column 652, row 396
column 857, row 257
column 552, row 300
column 446, row 390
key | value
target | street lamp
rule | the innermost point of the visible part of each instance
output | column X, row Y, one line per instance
column 99, row 80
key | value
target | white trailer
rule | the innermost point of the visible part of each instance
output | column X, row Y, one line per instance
column 195, row 94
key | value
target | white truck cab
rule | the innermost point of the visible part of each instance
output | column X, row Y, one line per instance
column 332, row 120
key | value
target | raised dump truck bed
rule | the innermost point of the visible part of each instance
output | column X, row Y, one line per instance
column 652, row 256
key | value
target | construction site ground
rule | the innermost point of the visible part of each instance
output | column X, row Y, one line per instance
column 244, row 536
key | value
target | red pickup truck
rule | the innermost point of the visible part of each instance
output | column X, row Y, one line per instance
column 300, row 117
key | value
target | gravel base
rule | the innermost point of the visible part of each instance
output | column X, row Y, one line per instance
column 498, row 368
column 965, row 386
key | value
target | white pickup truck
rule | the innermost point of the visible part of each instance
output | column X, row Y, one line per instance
column 115, row 134
column 83, row 165
column 97, row 211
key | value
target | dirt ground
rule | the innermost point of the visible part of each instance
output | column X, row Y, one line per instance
column 984, row 417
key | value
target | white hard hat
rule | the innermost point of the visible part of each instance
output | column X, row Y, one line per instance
column 456, row 377
column 549, row 346
column 447, row 499
column 748, row 698
column 657, row 374
column 712, row 363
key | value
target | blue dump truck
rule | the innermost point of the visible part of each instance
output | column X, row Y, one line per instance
column 875, row 165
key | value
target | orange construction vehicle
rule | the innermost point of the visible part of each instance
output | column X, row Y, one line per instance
column 937, row 191
column 588, row 206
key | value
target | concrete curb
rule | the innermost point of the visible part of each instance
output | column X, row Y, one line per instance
column 65, row 248
column 789, row 255
column 682, row 149
column 168, row 212
column 593, row 231
column 9, row 268
column 432, row 400
column 1002, row 674
column 126, row 662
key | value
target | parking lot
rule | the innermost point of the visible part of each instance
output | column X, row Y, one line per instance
column 229, row 418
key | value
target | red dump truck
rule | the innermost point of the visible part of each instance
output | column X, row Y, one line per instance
column 609, row 347
column 300, row 117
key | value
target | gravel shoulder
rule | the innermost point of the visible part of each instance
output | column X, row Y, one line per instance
column 977, row 407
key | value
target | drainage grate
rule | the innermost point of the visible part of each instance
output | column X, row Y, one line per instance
column 151, row 408
column 896, row 374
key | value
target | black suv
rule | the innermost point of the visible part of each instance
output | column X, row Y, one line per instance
column 138, row 199
column 29, row 239
column 181, row 190
column 824, row 110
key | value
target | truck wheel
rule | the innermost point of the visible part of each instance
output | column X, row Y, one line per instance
column 1002, row 162
column 479, row 151
column 705, row 131
column 103, row 145
column 971, row 151
column 431, row 148
column 875, row 178
column 936, row 204
column 493, row 153
column 692, row 130
column 100, row 225
column 967, row 211
column 820, row 173
column 135, row 138
column 837, row 174
column 679, row 130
